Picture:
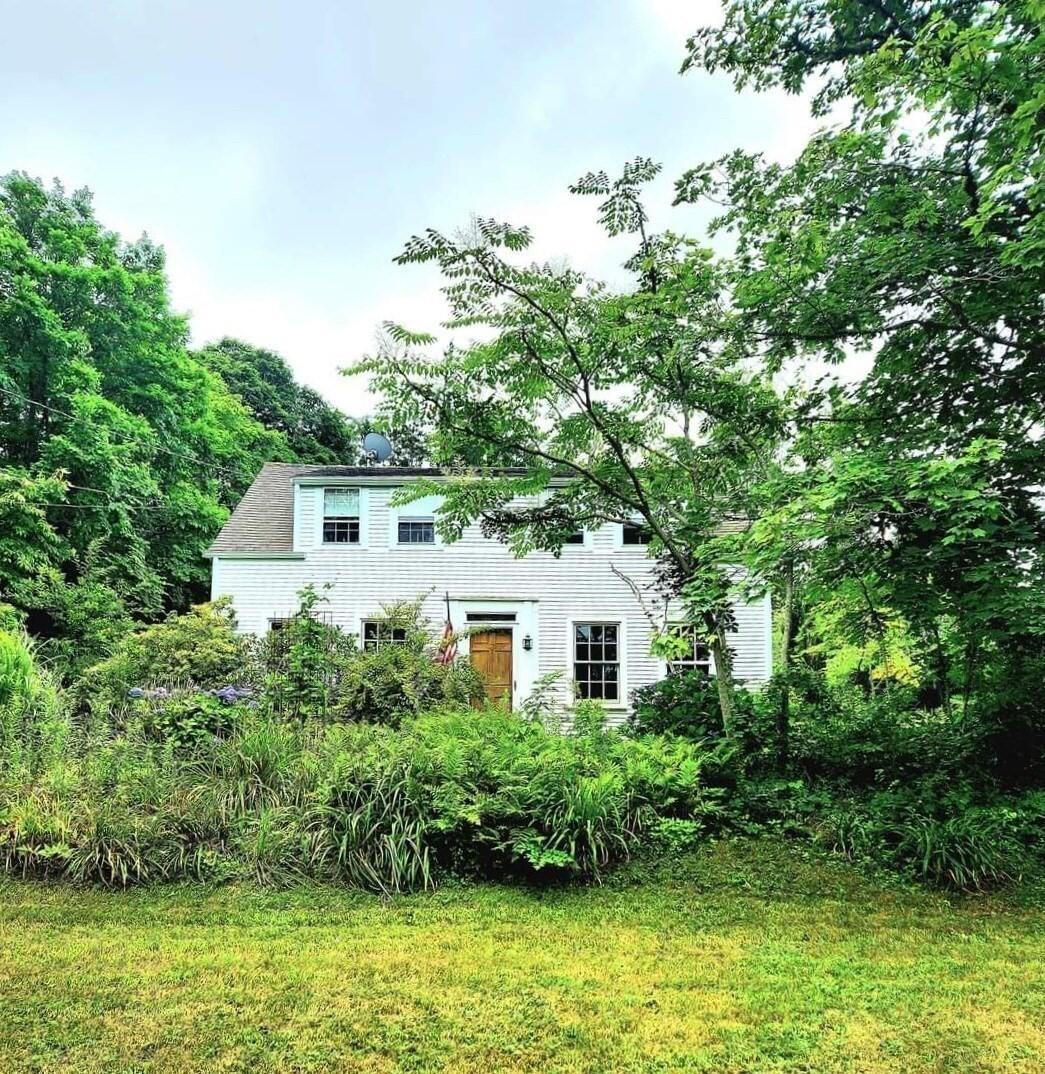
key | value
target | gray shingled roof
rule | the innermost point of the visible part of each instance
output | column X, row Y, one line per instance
column 263, row 521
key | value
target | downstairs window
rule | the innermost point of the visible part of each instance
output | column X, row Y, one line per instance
column 596, row 660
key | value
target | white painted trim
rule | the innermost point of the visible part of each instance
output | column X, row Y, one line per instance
column 296, row 537
column 213, row 556
column 577, row 549
column 618, row 540
column 663, row 664
column 364, row 518
column 402, row 479
column 621, row 704
column 421, row 510
column 525, row 664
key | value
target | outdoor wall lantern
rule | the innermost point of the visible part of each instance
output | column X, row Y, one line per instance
column 527, row 643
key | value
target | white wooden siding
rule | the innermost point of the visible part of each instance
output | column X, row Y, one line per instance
column 550, row 593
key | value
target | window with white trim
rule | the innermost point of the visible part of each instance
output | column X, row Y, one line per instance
column 698, row 657
column 577, row 537
column 340, row 516
column 634, row 533
column 379, row 632
column 596, row 660
column 416, row 531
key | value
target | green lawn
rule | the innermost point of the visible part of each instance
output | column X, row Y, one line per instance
column 744, row 958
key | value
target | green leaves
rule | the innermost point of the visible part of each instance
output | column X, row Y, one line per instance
column 153, row 445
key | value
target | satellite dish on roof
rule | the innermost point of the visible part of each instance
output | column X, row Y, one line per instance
column 377, row 447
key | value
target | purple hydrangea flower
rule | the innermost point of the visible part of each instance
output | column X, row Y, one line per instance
column 135, row 692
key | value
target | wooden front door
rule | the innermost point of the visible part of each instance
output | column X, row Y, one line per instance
column 491, row 655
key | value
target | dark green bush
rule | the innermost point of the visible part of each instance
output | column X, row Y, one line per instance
column 940, row 834
column 687, row 706
column 185, row 718
column 402, row 678
column 846, row 735
column 479, row 792
column 199, row 648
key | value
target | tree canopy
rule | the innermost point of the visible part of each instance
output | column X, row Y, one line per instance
column 120, row 451
column 904, row 240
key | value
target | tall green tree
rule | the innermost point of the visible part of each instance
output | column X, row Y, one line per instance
column 908, row 236
column 315, row 431
column 628, row 406
column 139, row 450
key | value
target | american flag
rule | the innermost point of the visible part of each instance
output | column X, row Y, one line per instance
column 448, row 643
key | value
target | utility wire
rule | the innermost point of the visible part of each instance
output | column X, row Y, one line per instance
column 158, row 447
column 111, row 503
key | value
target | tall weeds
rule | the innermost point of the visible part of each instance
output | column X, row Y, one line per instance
column 479, row 793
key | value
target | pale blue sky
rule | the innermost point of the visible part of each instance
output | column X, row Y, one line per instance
column 283, row 152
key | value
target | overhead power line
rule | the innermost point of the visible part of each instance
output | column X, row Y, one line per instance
column 159, row 447
column 108, row 503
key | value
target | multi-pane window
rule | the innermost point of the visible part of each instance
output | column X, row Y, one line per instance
column 596, row 660
column 698, row 656
column 341, row 516
column 634, row 533
column 378, row 632
column 416, row 531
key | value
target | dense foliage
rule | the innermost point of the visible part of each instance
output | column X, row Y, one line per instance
column 120, row 451
column 314, row 430
column 893, row 507
column 187, row 782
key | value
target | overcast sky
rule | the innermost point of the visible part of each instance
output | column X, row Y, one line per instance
column 283, row 152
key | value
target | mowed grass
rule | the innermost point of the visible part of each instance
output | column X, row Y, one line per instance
column 745, row 957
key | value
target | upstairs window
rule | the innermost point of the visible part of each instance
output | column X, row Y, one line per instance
column 341, row 516
column 576, row 538
column 698, row 658
column 634, row 533
column 379, row 632
column 596, row 660
column 416, row 531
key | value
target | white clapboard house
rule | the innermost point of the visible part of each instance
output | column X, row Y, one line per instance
column 520, row 618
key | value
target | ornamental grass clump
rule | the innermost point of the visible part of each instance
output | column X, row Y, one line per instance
column 479, row 793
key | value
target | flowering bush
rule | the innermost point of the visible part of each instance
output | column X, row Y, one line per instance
column 199, row 647
column 187, row 716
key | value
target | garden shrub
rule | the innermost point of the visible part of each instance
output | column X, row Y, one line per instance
column 687, row 705
column 847, row 735
column 940, row 834
column 304, row 660
column 32, row 710
column 198, row 648
column 186, row 717
column 465, row 791
column 18, row 675
column 402, row 678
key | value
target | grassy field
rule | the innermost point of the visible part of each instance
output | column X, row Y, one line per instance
column 743, row 958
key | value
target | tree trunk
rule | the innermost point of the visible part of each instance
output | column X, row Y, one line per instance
column 783, row 718
column 723, row 676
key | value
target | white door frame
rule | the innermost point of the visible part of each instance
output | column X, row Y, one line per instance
column 525, row 662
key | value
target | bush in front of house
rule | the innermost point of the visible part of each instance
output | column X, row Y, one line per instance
column 199, row 648
column 459, row 791
column 398, row 681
